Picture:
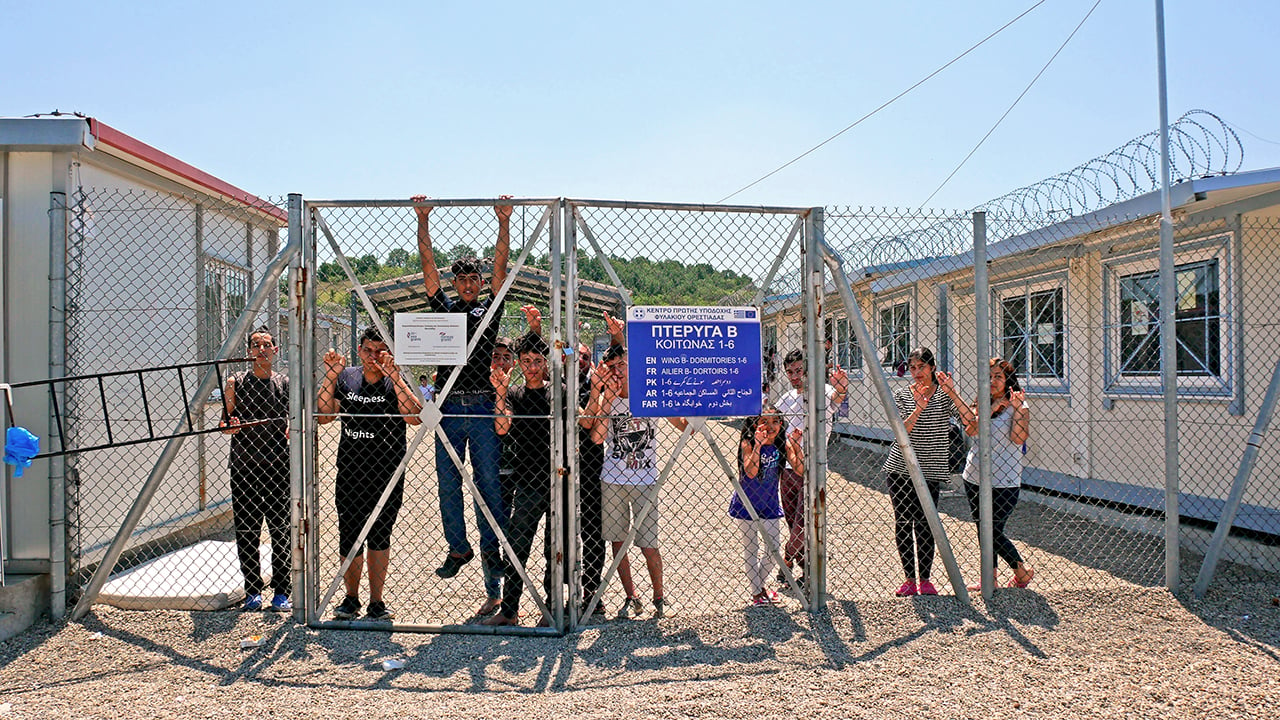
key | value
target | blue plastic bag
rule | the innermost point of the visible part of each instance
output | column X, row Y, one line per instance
column 19, row 447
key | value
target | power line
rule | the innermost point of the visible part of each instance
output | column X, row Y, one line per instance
column 886, row 104
column 1012, row 106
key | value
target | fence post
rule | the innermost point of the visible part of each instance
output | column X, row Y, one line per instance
column 982, row 347
column 816, row 401
column 299, row 429
column 57, row 368
column 1168, row 329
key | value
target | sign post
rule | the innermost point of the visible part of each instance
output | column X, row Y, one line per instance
column 694, row 361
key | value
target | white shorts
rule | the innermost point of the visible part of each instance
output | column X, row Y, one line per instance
column 619, row 503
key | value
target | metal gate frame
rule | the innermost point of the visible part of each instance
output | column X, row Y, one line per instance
column 313, row 600
column 564, row 221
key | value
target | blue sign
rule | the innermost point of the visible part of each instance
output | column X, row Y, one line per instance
column 693, row 361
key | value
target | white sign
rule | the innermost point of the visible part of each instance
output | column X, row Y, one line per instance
column 431, row 338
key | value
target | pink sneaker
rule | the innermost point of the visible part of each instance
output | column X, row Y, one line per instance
column 927, row 588
column 907, row 589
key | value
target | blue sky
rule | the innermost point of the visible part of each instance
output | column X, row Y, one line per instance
column 669, row 101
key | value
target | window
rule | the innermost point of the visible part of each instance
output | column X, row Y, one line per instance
column 1202, row 321
column 1197, row 321
column 845, row 347
column 226, row 289
column 1031, row 331
column 894, row 334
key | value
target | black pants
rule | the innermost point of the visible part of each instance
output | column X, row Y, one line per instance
column 911, row 530
column 591, row 516
column 1003, row 501
column 260, row 493
column 530, row 502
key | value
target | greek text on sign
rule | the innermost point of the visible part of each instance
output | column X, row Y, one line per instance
column 693, row 361
column 431, row 338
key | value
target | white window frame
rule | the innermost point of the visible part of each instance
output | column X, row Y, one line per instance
column 1216, row 247
column 1025, row 288
column 888, row 302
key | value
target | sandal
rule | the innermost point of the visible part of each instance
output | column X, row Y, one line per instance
column 1016, row 583
column 489, row 607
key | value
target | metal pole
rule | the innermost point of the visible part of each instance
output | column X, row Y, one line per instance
column 171, row 448
column 57, row 368
column 558, row 473
column 876, row 373
column 306, row 365
column 982, row 316
column 816, row 401
column 573, row 436
column 1252, row 446
column 299, row 391
column 1168, row 329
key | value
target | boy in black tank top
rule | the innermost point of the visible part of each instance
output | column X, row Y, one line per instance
column 259, row 465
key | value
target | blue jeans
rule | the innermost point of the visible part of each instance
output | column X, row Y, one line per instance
column 472, row 425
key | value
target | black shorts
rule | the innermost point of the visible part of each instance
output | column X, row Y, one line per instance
column 357, row 490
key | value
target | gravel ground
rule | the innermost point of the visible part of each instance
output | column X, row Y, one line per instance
column 1092, row 637
column 1133, row 653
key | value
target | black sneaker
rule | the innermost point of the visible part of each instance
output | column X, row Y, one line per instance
column 378, row 610
column 453, row 563
column 348, row 608
column 659, row 608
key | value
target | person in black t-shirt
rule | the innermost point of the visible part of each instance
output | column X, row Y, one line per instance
column 259, row 465
column 524, row 419
column 469, row 407
column 375, row 403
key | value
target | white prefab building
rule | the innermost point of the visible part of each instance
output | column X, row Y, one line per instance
column 114, row 256
column 1072, row 308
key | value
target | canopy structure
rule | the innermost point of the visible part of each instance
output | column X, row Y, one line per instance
column 533, row 285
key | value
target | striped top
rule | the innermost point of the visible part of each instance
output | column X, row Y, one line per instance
column 928, row 437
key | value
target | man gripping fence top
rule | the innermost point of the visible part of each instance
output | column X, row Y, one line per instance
column 469, row 407
column 375, row 404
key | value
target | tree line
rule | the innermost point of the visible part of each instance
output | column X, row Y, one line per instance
column 651, row 282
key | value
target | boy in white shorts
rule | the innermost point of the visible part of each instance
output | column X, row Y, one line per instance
column 630, row 475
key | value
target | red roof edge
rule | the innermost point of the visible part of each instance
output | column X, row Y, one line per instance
column 108, row 135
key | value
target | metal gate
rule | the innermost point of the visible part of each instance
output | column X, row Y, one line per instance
column 577, row 263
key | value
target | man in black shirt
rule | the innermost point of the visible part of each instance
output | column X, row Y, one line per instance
column 375, row 403
column 259, row 465
column 469, row 407
column 524, row 419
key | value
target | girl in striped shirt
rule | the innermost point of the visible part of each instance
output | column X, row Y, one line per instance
column 925, row 406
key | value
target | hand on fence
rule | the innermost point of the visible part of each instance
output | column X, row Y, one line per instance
column 503, row 211
column 231, row 426
column 840, row 379
column 422, row 210
column 500, row 379
column 921, row 394
column 532, row 316
column 614, row 326
column 334, row 363
column 387, row 364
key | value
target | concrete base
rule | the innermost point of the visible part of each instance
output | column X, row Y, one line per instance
column 23, row 600
column 204, row 576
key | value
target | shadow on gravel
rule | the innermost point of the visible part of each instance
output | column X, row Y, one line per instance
column 1131, row 556
column 1242, row 602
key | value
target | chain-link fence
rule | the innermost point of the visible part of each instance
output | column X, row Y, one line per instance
column 530, row 491
column 1076, row 425
column 155, row 282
